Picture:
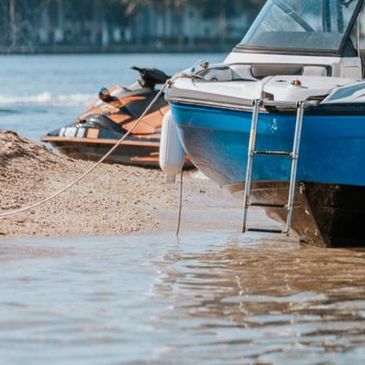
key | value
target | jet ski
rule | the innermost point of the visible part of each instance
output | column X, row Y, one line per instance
column 110, row 116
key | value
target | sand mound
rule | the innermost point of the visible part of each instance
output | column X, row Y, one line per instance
column 13, row 147
column 114, row 199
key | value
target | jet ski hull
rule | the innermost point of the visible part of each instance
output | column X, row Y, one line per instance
column 136, row 153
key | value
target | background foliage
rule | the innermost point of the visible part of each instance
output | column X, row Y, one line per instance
column 30, row 24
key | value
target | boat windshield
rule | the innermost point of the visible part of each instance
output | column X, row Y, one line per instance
column 308, row 25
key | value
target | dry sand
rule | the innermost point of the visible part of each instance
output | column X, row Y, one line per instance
column 113, row 200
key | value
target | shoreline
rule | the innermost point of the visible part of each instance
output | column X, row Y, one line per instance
column 114, row 200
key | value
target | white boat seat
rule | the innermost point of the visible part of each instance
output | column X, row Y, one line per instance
column 263, row 70
column 241, row 72
column 255, row 72
column 227, row 73
column 315, row 71
column 221, row 73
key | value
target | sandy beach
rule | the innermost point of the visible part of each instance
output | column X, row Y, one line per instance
column 113, row 200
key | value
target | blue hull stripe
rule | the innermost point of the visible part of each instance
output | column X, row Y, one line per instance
column 332, row 150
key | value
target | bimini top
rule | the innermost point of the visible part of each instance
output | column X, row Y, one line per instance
column 318, row 27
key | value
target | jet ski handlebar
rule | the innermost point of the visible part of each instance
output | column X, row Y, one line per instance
column 150, row 77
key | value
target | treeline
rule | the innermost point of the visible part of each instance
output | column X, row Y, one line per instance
column 107, row 25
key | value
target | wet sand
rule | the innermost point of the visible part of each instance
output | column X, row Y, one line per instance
column 113, row 200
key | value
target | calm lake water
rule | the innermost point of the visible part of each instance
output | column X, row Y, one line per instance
column 43, row 93
column 212, row 297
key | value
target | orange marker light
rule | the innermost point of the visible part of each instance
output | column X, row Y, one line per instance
column 296, row 83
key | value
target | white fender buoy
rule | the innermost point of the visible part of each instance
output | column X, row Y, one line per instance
column 172, row 154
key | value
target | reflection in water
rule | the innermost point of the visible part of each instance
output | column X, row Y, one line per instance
column 203, row 300
column 267, row 304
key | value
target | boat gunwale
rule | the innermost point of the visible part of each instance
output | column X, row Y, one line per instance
column 337, row 109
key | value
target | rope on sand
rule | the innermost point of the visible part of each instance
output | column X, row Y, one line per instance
column 92, row 168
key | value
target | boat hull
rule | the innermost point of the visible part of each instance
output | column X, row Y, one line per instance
column 332, row 147
column 325, row 215
column 330, row 198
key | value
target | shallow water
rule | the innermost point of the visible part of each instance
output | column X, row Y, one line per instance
column 212, row 298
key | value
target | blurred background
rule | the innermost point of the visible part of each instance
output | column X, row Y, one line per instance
column 55, row 55
column 82, row 26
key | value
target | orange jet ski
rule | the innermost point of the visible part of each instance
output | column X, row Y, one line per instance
column 110, row 117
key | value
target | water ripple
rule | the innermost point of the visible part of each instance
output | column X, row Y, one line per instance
column 207, row 299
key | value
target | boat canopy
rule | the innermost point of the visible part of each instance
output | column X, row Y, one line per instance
column 304, row 26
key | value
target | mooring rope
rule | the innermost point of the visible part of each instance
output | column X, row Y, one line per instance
column 180, row 203
column 92, row 168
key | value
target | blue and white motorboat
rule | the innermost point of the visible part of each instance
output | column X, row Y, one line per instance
column 298, row 72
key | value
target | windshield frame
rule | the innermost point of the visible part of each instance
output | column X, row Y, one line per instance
column 310, row 52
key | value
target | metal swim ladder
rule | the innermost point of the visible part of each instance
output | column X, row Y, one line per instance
column 294, row 155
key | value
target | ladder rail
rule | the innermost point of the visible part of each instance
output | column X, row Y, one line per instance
column 251, row 153
column 294, row 166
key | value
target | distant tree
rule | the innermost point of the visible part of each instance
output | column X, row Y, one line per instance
column 224, row 9
column 13, row 24
column 90, row 21
column 131, row 6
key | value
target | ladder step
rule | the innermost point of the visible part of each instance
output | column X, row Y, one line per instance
column 274, row 153
column 267, row 205
column 262, row 230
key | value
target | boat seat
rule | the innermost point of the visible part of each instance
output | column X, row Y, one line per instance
column 242, row 72
column 315, row 71
column 221, row 73
column 260, row 71
column 263, row 70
